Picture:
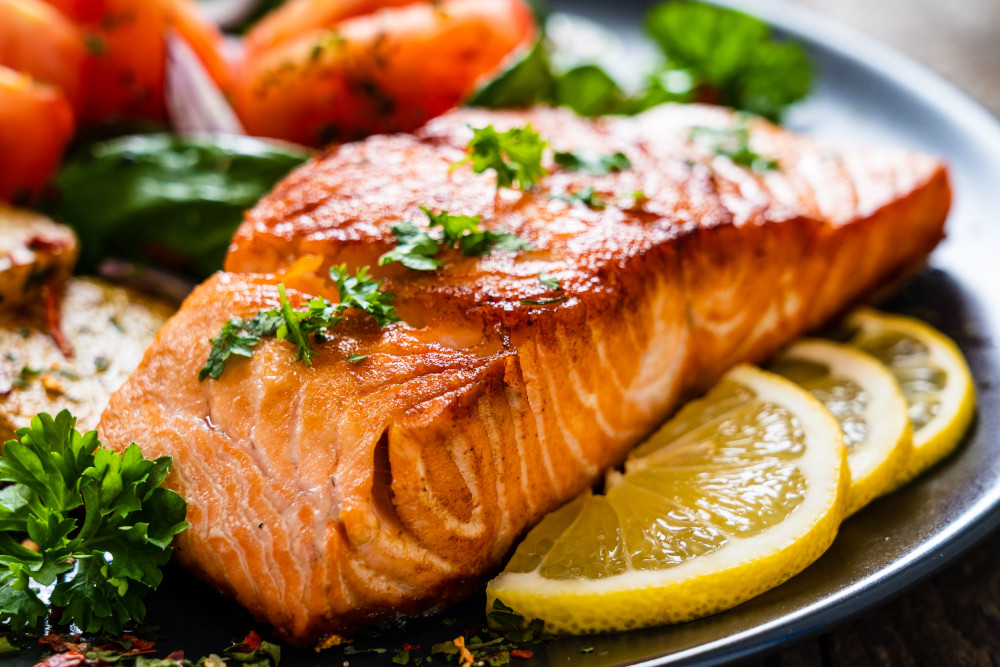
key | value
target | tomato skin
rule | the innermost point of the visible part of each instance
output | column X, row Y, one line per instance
column 125, row 68
column 384, row 72
column 297, row 17
column 38, row 40
column 36, row 123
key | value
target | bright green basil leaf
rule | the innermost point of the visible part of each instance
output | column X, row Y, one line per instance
column 166, row 199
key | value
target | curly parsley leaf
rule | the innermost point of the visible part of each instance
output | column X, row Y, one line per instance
column 732, row 55
column 734, row 143
column 239, row 337
column 550, row 281
column 587, row 196
column 361, row 292
column 101, row 568
column 417, row 249
column 515, row 155
column 592, row 163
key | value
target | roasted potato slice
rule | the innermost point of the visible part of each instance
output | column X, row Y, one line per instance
column 33, row 251
column 108, row 328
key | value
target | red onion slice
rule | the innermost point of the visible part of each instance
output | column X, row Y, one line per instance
column 194, row 101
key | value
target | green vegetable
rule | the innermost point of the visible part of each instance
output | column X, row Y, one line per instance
column 550, row 281
column 734, row 143
column 527, row 81
column 732, row 54
column 239, row 337
column 6, row 648
column 587, row 88
column 417, row 249
column 543, row 302
column 166, row 199
column 587, row 196
column 515, row 155
column 711, row 54
column 589, row 91
column 100, row 568
column 592, row 163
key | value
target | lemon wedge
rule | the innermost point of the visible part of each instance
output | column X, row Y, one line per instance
column 738, row 492
column 864, row 398
column 932, row 375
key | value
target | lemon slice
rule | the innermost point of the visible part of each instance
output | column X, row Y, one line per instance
column 740, row 491
column 932, row 375
column 864, row 398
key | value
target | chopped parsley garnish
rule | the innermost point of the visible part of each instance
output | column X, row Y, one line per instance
column 239, row 337
column 24, row 377
column 357, row 358
column 550, row 281
column 102, row 525
column 587, row 196
column 515, row 155
column 415, row 249
column 418, row 249
column 543, row 302
column 734, row 143
column 592, row 163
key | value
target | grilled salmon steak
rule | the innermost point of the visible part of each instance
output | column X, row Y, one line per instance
column 326, row 497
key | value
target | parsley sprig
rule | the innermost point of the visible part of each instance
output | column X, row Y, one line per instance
column 239, row 337
column 101, row 524
column 515, row 155
column 592, row 162
column 418, row 249
column 587, row 196
column 734, row 143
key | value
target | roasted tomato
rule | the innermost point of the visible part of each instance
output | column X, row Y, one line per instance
column 297, row 17
column 126, row 40
column 38, row 40
column 382, row 72
column 36, row 123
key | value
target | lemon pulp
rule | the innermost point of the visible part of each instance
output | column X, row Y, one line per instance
column 737, row 493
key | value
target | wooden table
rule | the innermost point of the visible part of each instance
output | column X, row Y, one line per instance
column 953, row 618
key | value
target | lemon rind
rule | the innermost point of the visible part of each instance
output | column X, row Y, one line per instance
column 743, row 568
column 940, row 436
column 877, row 465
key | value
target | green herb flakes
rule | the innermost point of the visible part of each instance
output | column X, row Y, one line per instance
column 592, row 163
column 239, row 337
column 549, row 281
column 418, row 249
column 587, row 196
column 734, row 143
column 515, row 155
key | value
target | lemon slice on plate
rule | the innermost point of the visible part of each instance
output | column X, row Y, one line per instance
column 864, row 398
column 932, row 375
column 738, row 492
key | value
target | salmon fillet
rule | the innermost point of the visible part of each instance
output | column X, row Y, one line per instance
column 328, row 497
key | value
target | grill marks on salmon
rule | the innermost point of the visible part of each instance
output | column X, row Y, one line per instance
column 324, row 498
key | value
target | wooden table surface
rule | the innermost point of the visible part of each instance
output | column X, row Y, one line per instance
column 953, row 618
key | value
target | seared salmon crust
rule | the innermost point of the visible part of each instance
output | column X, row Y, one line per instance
column 329, row 497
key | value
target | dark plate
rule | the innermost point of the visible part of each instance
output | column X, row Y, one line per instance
column 865, row 93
